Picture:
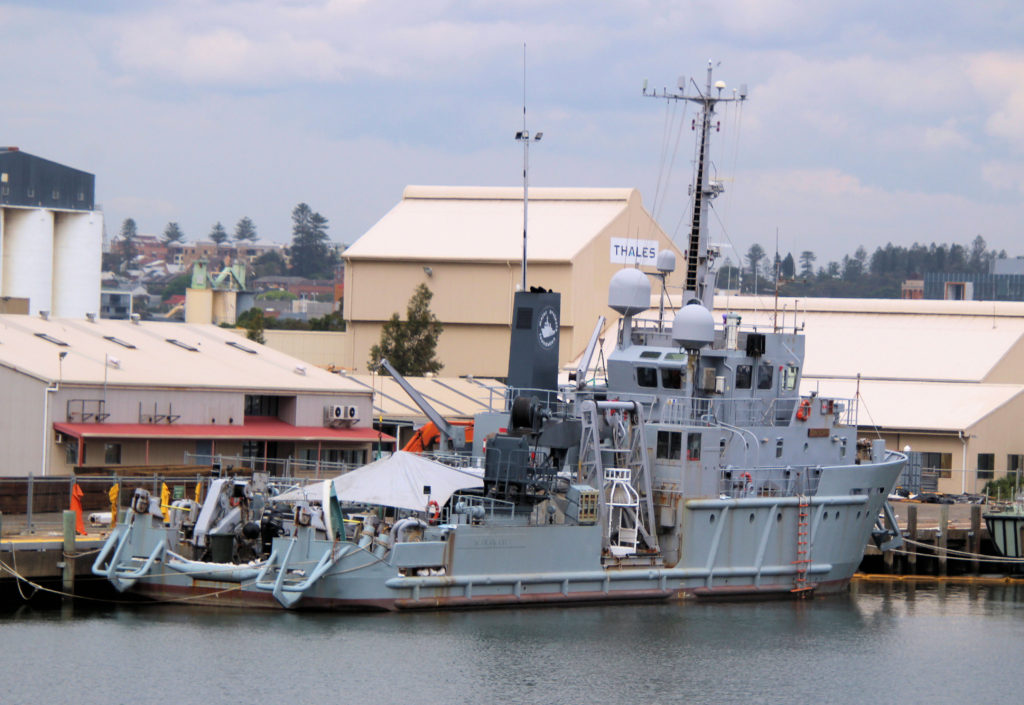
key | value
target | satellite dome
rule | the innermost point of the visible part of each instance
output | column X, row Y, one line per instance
column 693, row 327
column 629, row 292
column 666, row 262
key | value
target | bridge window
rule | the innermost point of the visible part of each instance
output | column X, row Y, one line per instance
column 671, row 378
column 743, row 376
column 647, row 376
column 693, row 446
column 790, row 373
column 669, row 445
column 764, row 375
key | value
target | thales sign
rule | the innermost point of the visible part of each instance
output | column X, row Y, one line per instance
column 629, row 251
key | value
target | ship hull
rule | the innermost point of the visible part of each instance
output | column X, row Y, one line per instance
column 731, row 549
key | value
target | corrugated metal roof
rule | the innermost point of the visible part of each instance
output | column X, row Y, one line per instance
column 925, row 406
column 893, row 339
column 486, row 224
column 452, row 397
column 142, row 354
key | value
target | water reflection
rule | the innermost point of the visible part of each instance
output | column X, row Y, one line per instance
column 914, row 642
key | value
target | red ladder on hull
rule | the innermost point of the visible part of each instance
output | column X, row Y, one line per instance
column 801, row 585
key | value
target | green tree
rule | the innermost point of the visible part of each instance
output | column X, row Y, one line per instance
column 173, row 234
column 754, row 256
column 788, row 270
column 311, row 253
column 129, row 248
column 807, row 258
column 269, row 264
column 410, row 345
column 245, row 230
column 254, row 323
column 218, row 234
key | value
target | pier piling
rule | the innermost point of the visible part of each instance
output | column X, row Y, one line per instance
column 943, row 541
column 67, row 561
column 975, row 538
column 912, row 533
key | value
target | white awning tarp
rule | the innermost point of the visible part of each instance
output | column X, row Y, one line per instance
column 403, row 480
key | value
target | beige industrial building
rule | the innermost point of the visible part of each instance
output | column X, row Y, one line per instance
column 87, row 395
column 465, row 244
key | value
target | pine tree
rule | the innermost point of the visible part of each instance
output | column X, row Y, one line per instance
column 173, row 234
column 218, row 234
column 410, row 345
column 311, row 253
column 245, row 230
column 129, row 250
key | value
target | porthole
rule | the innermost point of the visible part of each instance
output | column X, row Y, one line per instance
column 778, row 517
column 711, row 519
column 751, row 519
column 824, row 516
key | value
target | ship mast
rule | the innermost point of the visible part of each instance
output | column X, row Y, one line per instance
column 699, row 285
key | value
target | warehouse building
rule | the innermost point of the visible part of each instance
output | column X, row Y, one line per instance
column 101, row 395
column 466, row 245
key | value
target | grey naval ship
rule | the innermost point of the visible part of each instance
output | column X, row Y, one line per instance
column 694, row 467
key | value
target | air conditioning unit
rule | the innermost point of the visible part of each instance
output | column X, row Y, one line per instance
column 334, row 413
column 351, row 413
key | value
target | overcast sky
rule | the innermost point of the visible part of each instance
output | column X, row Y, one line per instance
column 867, row 122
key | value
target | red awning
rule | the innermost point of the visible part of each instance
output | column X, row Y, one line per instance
column 254, row 429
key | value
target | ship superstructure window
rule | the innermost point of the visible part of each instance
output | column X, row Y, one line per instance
column 790, row 373
column 744, row 373
column 647, row 376
column 671, row 378
column 764, row 375
column 669, row 445
column 693, row 446
column 650, row 355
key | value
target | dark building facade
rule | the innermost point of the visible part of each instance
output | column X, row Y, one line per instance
column 974, row 287
column 33, row 182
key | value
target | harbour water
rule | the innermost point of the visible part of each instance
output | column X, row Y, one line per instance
column 887, row 642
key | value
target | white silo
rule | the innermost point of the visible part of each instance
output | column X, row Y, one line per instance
column 77, row 263
column 28, row 256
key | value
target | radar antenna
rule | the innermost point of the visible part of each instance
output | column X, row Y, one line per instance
column 699, row 285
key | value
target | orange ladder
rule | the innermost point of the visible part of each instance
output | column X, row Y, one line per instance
column 803, row 547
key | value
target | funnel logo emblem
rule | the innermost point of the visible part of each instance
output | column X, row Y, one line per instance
column 547, row 328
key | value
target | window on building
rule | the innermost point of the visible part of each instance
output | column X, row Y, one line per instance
column 647, row 376
column 939, row 463
column 71, row 451
column 1014, row 463
column 669, row 445
column 986, row 465
column 743, row 376
column 112, row 453
column 261, row 405
column 252, row 449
